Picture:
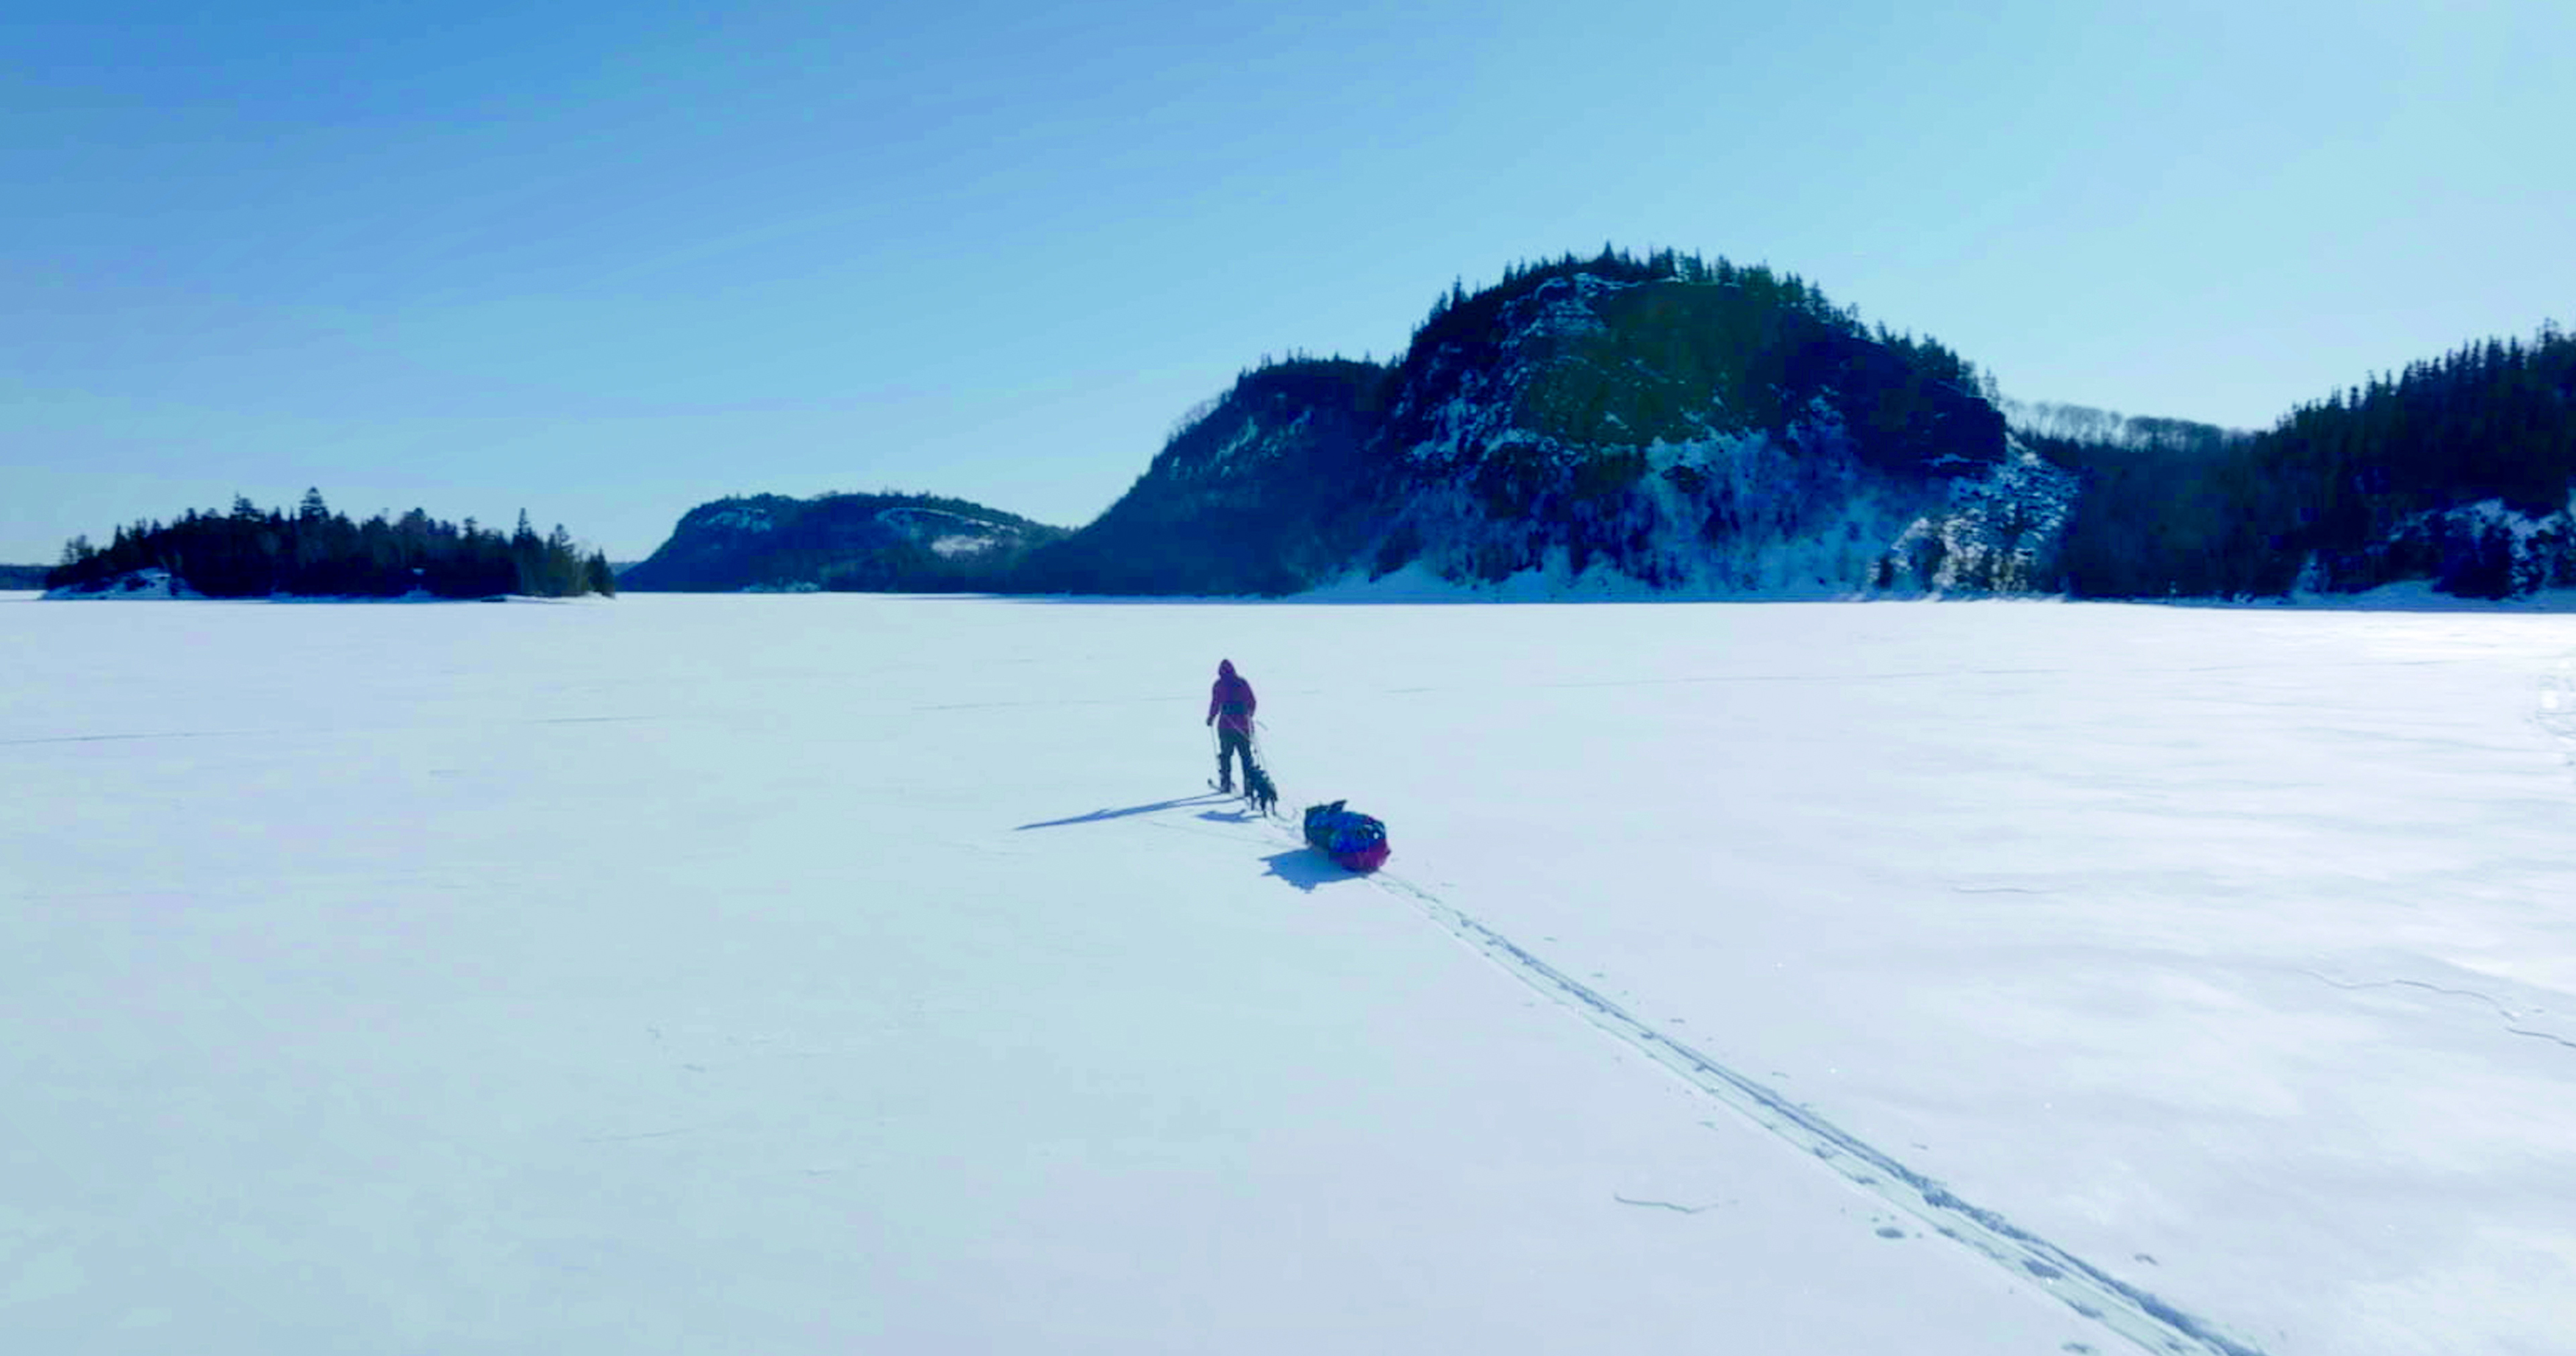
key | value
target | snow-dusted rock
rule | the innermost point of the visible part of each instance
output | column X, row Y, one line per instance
column 133, row 585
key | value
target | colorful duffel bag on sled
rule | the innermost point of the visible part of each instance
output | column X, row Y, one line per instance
column 1355, row 842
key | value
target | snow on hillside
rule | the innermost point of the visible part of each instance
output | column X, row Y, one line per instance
column 947, row 534
column 739, row 518
column 1864, row 538
column 845, row 972
column 2525, row 551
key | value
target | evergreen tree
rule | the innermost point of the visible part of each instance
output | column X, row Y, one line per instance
column 2349, row 491
column 249, row 552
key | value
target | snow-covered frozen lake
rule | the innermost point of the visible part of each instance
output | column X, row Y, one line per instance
column 834, row 973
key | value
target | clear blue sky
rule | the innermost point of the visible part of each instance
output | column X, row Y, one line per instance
column 608, row 262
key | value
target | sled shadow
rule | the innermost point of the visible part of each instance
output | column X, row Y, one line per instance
column 1098, row 815
column 1305, row 869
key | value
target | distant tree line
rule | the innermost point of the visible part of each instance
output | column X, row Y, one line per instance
column 2080, row 425
column 2343, row 494
column 315, row 552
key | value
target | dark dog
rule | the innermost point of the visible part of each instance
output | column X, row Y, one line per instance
column 1258, row 790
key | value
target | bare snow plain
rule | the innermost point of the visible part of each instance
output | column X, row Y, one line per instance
column 834, row 973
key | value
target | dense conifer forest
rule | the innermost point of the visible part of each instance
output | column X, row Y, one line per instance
column 252, row 552
column 2343, row 494
column 1461, row 318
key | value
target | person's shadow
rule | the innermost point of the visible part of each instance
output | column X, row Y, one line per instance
column 1301, row 867
column 1098, row 815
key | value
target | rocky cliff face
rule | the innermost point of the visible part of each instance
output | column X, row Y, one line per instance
column 1684, row 436
column 2483, row 550
column 1690, row 437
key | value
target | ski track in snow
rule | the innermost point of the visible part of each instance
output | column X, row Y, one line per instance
column 2501, row 1010
column 2138, row 1315
column 114, row 738
column 2133, row 1313
column 1668, row 1205
column 325, row 730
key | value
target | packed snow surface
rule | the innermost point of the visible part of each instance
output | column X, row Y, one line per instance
column 839, row 973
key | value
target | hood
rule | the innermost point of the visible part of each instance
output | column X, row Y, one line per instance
column 1225, row 668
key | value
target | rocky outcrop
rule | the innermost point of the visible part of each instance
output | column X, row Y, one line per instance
column 1689, row 434
column 868, row 542
column 132, row 585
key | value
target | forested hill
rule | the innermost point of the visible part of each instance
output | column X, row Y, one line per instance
column 24, row 576
column 1263, row 491
column 314, row 552
column 914, row 543
column 1704, row 428
column 2458, row 471
column 1679, row 423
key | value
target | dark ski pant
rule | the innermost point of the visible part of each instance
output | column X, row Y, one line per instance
column 1232, row 743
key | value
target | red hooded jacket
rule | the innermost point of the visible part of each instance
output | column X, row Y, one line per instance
column 1230, row 702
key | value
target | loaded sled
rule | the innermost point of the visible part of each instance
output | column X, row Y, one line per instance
column 1355, row 842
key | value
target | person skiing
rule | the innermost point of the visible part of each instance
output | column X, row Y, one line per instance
column 1230, row 707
